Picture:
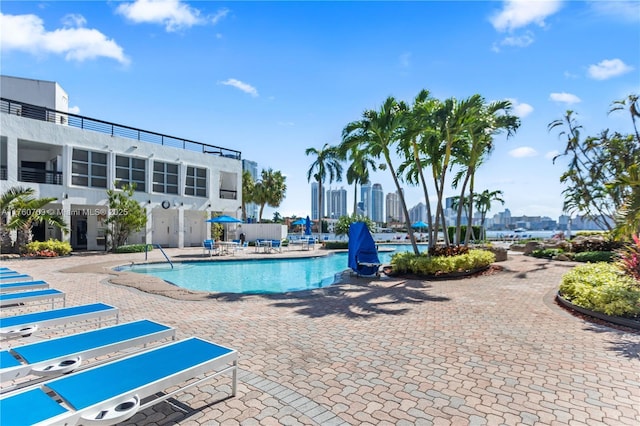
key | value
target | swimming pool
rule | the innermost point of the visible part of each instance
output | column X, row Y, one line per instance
column 256, row 276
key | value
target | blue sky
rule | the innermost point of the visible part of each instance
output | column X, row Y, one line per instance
column 273, row 78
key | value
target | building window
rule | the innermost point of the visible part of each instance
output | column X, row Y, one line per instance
column 131, row 170
column 165, row 177
column 196, row 182
column 89, row 168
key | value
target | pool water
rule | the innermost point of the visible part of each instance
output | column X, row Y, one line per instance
column 256, row 276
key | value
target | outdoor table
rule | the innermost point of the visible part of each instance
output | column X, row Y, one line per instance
column 227, row 247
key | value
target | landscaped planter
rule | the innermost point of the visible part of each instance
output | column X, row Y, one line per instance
column 626, row 322
column 450, row 276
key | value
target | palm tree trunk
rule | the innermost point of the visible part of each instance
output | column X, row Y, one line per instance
column 416, row 154
column 355, row 197
column 416, row 251
column 460, row 209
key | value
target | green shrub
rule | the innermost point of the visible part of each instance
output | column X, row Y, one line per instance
column 49, row 248
column 134, row 248
column 602, row 287
column 336, row 245
column 546, row 253
column 423, row 264
column 580, row 245
column 594, row 256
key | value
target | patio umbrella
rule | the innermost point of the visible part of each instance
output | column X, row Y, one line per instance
column 307, row 226
column 419, row 224
column 224, row 219
column 300, row 221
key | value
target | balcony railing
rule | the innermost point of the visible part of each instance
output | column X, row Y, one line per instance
column 227, row 194
column 35, row 112
column 27, row 174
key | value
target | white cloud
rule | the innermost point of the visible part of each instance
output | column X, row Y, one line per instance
column 173, row 14
column 551, row 155
column 564, row 97
column 520, row 41
column 520, row 13
column 405, row 60
column 247, row 88
column 608, row 68
column 624, row 10
column 521, row 109
column 27, row 33
column 74, row 110
column 523, row 152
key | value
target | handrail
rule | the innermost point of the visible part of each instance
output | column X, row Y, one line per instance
column 13, row 107
column 158, row 246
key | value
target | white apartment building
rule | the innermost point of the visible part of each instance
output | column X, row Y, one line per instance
column 75, row 159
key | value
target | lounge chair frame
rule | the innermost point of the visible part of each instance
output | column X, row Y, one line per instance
column 26, row 324
column 20, row 298
column 22, row 286
column 85, row 345
column 68, row 400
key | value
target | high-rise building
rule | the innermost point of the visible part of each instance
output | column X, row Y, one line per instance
column 316, row 213
column 252, row 168
column 418, row 213
column 394, row 208
column 365, row 199
column 336, row 203
column 377, row 203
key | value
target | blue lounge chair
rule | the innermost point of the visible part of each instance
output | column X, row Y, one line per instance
column 27, row 324
column 22, row 297
column 7, row 278
column 363, row 255
column 113, row 392
column 65, row 354
column 22, row 286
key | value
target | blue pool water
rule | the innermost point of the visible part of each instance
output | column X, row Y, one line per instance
column 256, row 276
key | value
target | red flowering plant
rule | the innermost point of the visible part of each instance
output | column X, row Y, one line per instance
column 630, row 258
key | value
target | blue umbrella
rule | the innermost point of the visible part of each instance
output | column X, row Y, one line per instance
column 307, row 226
column 419, row 224
column 300, row 221
column 224, row 219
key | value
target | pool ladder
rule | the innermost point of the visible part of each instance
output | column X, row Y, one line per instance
column 158, row 246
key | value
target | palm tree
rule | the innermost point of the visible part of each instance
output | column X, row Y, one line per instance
column 630, row 102
column 483, row 204
column 29, row 210
column 7, row 207
column 416, row 141
column 483, row 121
column 358, row 171
column 269, row 190
column 248, row 186
column 376, row 134
column 327, row 163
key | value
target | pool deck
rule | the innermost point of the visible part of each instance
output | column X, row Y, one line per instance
column 489, row 350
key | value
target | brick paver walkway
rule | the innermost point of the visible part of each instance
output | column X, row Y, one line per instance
column 490, row 350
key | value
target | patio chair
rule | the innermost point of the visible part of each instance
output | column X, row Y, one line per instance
column 62, row 355
column 26, row 324
column 209, row 246
column 22, row 286
column 113, row 392
column 276, row 245
column 22, row 297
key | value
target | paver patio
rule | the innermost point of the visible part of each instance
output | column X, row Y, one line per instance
column 491, row 350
